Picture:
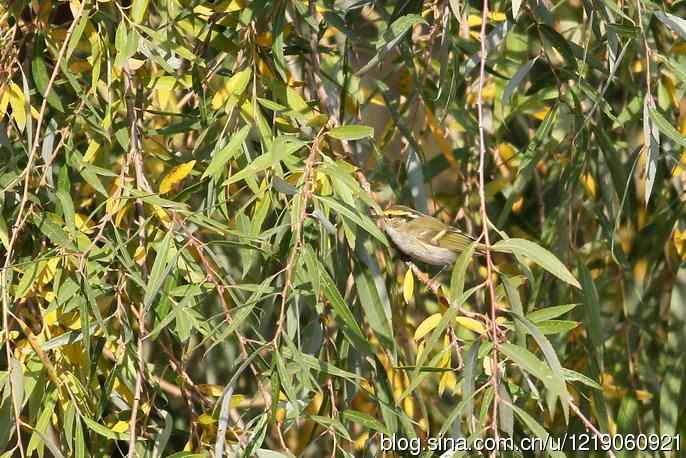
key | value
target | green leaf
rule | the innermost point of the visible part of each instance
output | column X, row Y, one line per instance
column 52, row 231
column 528, row 362
column 457, row 278
column 222, row 156
column 138, row 10
column 673, row 381
column 675, row 23
column 39, row 72
column 540, row 256
column 573, row 376
column 536, row 428
column 28, row 277
column 517, row 78
column 350, row 327
column 364, row 419
column 104, row 431
column 516, row 305
column 666, row 128
column 393, row 35
column 557, row 383
column 360, row 219
column 470, row 366
column 560, row 43
column 159, row 270
column 591, row 309
column 351, row 132
column 76, row 35
column 651, row 138
column 549, row 313
column 319, row 365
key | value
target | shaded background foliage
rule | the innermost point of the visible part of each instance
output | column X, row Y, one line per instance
column 189, row 261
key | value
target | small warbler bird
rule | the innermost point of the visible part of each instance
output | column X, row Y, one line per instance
column 424, row 237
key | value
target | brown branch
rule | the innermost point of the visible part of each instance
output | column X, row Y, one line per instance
column 494, row 330
column 304, row 198
column 135, row 157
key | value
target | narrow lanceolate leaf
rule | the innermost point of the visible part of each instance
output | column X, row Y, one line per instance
column 459, row 273
column 550, row 313
column 225, row 154
column 351, row 132
column 350, row 325
column 392, row 37
column 676, row 23
column 558, row 382
column 518, row 77
column 427, row 326
column 528, row 362
column 651, row 141
column 666, row 128
column 138, row 10
column 408, row 286
column 536, row 428
column 673, row 381
column 540, row 256
column 471, row 324
column 516, row 5
column 360, row 219
column 175, row 176
column 158, row 270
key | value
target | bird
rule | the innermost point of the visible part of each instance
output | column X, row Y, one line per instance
column 425, row 238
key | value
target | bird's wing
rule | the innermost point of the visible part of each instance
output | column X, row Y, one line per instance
column 432, row 231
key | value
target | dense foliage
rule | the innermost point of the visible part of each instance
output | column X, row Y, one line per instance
column 191, row 260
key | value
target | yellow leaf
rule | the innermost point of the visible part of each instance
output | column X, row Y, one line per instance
column 408, row 286
column 49, row 270
column 264, row 39
column 121, row 214
column 589, row 184
column 671, row 90
column 206, row 420
column 120, row 427
column 4, row 99
column 643, row 395
column 18, row 104
column 445, row 359
column 679, row 238
column 91, row 151
column 164, row 88
column 471, row 324
column 230, row 6
column 139, row 254
column 50, row 318
column 203, row 11
column 449, row 381
column 234, row 86
column 518, row 205
column 495, row 16
column 83, row 223
column 210, row 389
column 427, row 326
column 640, row 270
column 541, row 113
column 175, row 176
column 162, row 215
column 507, row 153
column 441, row 138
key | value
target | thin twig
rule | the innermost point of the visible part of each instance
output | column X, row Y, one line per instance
column 135, row 157
column 304, row 197
column 494, row 331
